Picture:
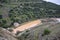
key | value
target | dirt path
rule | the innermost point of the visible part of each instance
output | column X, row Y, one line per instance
column 27, row 25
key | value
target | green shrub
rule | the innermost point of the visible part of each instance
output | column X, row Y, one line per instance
column 4, row 21
column 46, row 32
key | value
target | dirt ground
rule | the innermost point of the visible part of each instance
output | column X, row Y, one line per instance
column 27, row 25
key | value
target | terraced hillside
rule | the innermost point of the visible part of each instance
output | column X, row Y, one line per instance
column 46, row 31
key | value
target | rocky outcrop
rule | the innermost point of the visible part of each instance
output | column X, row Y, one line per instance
column 6, row 35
